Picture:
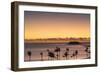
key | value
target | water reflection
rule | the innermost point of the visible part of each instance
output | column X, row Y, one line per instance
column 55, row 51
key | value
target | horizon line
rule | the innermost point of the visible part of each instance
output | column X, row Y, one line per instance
column 60, row 38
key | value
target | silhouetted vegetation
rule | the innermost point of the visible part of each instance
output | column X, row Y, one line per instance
column 29, row 54
column 41, row 53
column 51, row 55
column 66, row 53
column 58, row 52
column 87, row 52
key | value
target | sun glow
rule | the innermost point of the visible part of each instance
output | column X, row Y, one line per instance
column 49, row 25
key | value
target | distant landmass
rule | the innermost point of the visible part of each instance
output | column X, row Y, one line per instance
column 58, row 40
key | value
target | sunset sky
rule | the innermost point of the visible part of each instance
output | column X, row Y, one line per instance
column 56, row 25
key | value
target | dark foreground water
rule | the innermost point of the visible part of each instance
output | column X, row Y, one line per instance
column 37, row 48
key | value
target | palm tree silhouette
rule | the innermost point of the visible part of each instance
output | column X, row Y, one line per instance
column 75, row 53
column 58, row 52
column 50, row 54
column 67, row 49
column 41, row 54
column 29, row 54
column 87, row 52
column 66, row 53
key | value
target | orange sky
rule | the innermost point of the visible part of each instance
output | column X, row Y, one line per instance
column 56, row 25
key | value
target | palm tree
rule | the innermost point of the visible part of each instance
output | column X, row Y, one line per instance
column 67, row 49
column 75, row 53
column 66, row 53
column 41, row 53
column 88, row 52
column 29, row 54
column 50, row 54
column 58, row 52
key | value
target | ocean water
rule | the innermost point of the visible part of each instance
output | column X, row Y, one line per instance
column 37, row 48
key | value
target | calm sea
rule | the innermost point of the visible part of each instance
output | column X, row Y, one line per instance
column 37, row 48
